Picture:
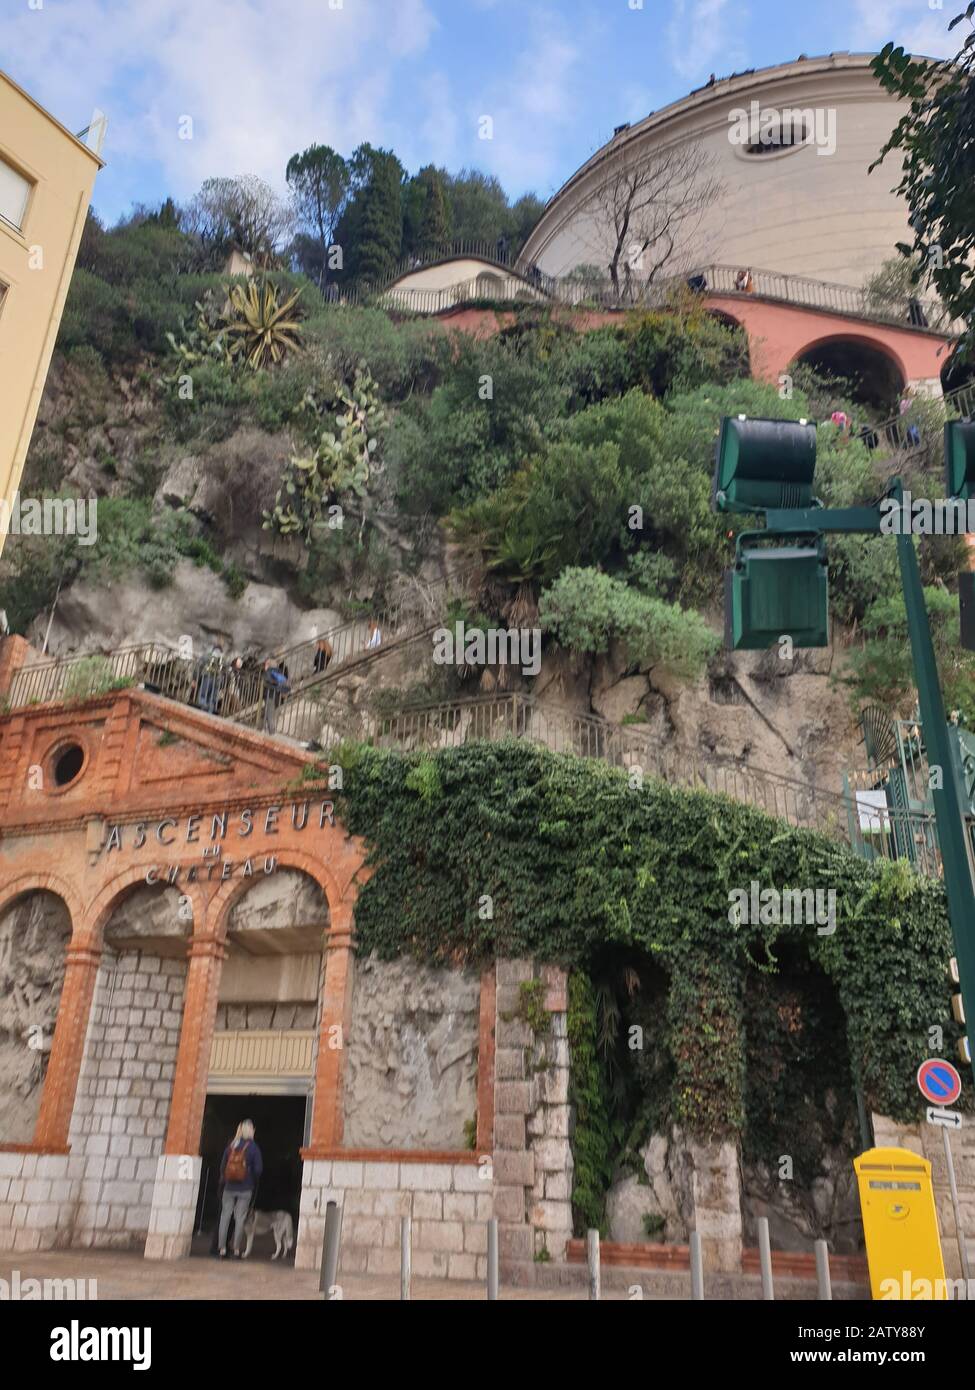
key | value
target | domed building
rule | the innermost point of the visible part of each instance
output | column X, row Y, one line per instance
column 756, row 190
column 782, row 155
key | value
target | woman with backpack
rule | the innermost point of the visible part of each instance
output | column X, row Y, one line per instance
column 240, row 1169
column 276, row 687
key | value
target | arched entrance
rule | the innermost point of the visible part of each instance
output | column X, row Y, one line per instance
column 262, row 1060
column 958, row 372
column 875, row 378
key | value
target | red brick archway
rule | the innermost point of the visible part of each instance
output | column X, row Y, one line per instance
column 778, row 333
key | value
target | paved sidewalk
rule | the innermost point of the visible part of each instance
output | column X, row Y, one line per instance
column 129, row 1276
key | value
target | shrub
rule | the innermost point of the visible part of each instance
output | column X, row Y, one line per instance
column 594, row 367
column 404, row 358
column 679, row 349
column 586, row 611
column 881, row 671
column 566, row 507
column 490, row 415
column 90, row 676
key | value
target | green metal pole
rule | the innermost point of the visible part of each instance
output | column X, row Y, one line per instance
column 948, row 805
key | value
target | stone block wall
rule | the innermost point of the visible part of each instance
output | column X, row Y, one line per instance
column 38, row 1194
column 173, row 1208
column 122, row 1103
column 451, row 1204
column 532, row 1154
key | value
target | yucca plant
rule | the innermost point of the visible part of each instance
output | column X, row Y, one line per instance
column 257, row 329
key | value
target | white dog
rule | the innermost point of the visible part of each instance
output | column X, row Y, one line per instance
column 277, row 1223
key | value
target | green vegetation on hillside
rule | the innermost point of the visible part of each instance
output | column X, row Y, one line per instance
column 574, row 468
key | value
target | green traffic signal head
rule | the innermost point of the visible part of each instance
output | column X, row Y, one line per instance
column 764, row 463
column 960, row 458
column 776, row 593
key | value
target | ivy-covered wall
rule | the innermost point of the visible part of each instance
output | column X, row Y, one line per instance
column 508, row 849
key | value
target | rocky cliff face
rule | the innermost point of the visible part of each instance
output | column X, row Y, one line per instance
column 102, row 435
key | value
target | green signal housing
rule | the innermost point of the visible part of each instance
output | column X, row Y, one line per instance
column 960, row 458
column 774, row 593
column 764, row 463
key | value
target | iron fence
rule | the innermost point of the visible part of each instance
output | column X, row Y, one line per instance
column 525, row 281
column 245, row 694
column 871, row 829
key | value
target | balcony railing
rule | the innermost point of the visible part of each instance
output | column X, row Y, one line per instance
column 523, row 280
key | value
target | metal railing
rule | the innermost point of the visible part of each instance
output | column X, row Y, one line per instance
column 77, row 677
column 527, row 281
column 909, row 432
column 907, row 312
column 871, row 831
column 245, row 695
column 882, row 824
column 499, row 290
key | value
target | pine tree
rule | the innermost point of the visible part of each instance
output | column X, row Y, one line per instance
column 380, row 230
column 434, row 228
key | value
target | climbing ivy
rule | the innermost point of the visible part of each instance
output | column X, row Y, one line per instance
column 509, row 849
column 592, row 1140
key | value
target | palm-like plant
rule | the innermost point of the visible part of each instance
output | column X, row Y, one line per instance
column 256, row 328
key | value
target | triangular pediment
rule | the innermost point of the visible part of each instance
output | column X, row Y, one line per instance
column 141, row 752
column 162, row 756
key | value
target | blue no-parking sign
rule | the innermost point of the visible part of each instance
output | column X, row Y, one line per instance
column 938, row 1081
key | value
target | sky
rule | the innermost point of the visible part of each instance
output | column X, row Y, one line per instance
column 262, row 79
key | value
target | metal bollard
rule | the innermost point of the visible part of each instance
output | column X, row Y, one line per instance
column 765, row 1259
column 405, row 1257
column 822, row 1271
column 492, row 1260
column 330, row 1249
column 592, row 1258
column 697, row 1266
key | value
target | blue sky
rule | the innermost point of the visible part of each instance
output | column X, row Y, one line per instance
column 264, row 78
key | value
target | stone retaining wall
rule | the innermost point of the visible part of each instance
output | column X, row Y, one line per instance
column 451, row 1205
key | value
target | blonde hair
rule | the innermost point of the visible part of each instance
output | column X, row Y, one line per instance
column 245, row 1130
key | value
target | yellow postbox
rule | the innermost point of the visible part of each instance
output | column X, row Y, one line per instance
column 900, row 1225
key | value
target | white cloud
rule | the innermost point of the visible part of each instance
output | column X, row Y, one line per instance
column 260, row 78
column 910, row 24
column 702, row 38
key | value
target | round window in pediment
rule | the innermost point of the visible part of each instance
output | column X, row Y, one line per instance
column 66, row 763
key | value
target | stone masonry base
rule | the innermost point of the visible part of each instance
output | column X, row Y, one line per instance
column 39, row 1194
column 451, row 1204
column 173, row 1206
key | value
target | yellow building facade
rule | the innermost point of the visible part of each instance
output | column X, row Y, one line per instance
column 46, row 181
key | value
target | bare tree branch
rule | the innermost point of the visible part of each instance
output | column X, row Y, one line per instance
column 646, row 211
